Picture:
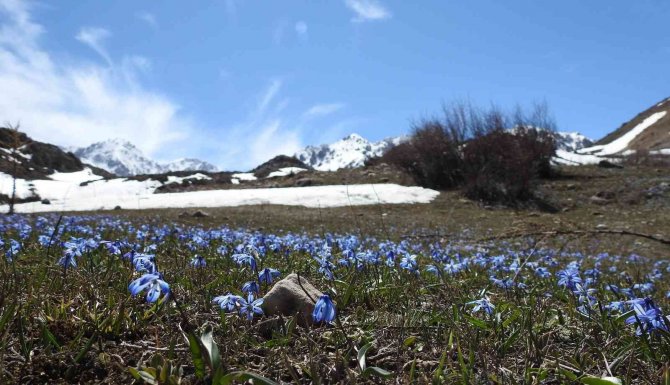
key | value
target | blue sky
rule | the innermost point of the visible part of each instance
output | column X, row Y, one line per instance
column 235, row 82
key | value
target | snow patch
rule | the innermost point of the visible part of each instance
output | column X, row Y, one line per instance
column 181, row 179
column 105, row 195
column 569, row 158
column 286, row 171
column 244, row 176
column 622, row 143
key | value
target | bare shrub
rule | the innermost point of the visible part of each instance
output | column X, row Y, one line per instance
column 496, row 157
column 503, row 167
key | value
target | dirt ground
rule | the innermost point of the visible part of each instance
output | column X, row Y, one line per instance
column 633, row 199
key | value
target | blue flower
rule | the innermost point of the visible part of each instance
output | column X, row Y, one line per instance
column 408, row 262
column 482, row 304
column 227, row 302
column 198, row 261
column 245, row 259
column 154, row 285
column 324, row 310
column 569, row 278
column 268, row 274
column 249, row 307
column 13, row 250
column 250, row 287
column 68, row 259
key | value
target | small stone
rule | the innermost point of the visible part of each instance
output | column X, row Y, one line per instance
column 608, row 164
column 601, row 226
column 303, row 182
column 598, row 200
column 200, row 214
column 117, row 208
column 46, row 201
column 290, row 296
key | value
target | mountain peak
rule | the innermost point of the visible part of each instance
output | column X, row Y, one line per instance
column 351, row 151
column 123, row 158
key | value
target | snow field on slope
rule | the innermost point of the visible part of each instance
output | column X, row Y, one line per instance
column 621, row 143
column 65, row 193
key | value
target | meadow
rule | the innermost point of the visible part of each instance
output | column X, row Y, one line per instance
column 145, row 299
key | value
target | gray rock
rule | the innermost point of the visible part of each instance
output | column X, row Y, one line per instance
column 303, row 182
column 601, row 226
column 200, row 214
column 608, row 164
column 290, row 296
column 46, row 201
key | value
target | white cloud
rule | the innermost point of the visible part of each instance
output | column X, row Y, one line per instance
column 93, row 37
column 264, row 134
column 367, row 10
column 301, row 29
column 322, row 110
column 268, row 95
column 84, row 102
column 148, row 18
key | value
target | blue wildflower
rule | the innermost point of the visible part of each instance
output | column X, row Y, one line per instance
column 482, row 304
column 250, row 287
column 154, row 285
column 268, row 274
column 250, row 306
column 198, row 261
column 324, row 310
column 227, row 302
column 245, row 259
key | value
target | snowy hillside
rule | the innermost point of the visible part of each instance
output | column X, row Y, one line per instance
column 351, row 151
column 122, row 158
column 354, row 150
column 85, row 191
column 622, row 144
column 571, row 141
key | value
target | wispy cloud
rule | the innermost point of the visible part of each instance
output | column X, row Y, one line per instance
column 322, row 110
column 367, row 10
column 301, row 29
column 279, row 31
column 148, row 18
column 231, row 9
column 265, row 133
column 94, row 37
column 268, row 95
column 81, row 102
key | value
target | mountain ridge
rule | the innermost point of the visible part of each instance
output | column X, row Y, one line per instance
column 123, row 158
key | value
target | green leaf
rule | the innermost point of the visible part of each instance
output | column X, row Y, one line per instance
column 207, row 341
column 135, row 373
column 49, row 337
column 244, row 376
column 476, row 322
column 409, row 341
column 196, row 355
column 600, row 381
column 379, row 372
column 361, row 356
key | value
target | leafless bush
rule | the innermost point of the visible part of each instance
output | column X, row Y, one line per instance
column 494, row 156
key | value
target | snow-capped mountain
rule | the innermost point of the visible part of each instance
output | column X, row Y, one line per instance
column 571, row 141
column 122, row 158
column 351, row 151
column 190, row 164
